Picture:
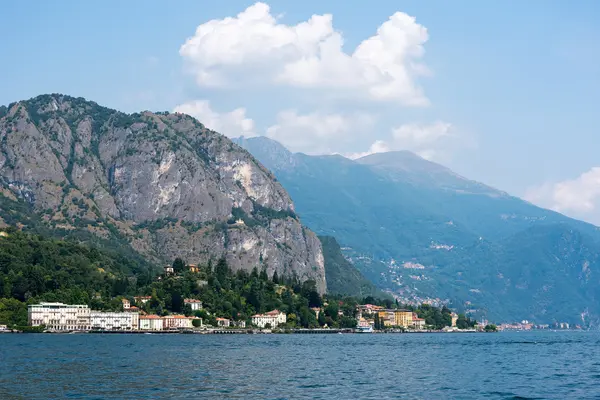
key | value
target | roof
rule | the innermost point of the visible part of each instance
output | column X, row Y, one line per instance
column 222, row 319
column 142, row 297
column 192, row 301
column 149, row 317
column 274, row 312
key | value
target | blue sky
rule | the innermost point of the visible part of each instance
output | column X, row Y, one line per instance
column 501, row 92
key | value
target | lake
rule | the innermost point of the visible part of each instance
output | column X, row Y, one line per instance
column 518, row 365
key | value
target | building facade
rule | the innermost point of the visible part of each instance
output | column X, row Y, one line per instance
column 194, row 304
column 403, row 318
column 272, row 318
column 59, row 316
column 114, row 321
column 177, row 322
column 151, row 323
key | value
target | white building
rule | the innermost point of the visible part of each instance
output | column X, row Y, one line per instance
column 273, row 318
column 177, row 322
column 139, row 300
column 114, row 321
column 126, row 304
column 151, row 323
column 193, row 303
column 59, row 316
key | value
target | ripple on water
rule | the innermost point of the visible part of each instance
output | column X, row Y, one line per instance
column 502, row 366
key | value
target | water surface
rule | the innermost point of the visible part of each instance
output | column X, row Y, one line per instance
column 527, row 365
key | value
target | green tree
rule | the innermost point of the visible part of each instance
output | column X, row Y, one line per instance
column 332, row 310
column 178, row 265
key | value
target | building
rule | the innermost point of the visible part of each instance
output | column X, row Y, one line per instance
column 367, row 309
column 238, row 324
column 194, row 304
column 139, row 300
column 272, row 318
column 177, row 322
column 417, row 323
column 388, row 317
column 151, row 323
column 3, row 328
column 59, row 316
column 169, row 270
column 224, row 322
column 114, row 321
column 126, row 304
column 317, row 311
column 403, row 318
column 454, row 318
column 193, row 268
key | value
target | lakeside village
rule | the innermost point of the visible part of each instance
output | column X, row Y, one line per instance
column 306, row 310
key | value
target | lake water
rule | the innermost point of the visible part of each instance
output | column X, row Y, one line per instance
column 555, row 365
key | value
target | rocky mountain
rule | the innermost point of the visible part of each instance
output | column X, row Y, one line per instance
column 425, row 232
column 159, row 183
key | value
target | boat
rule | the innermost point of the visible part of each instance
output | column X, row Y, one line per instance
column 364, row 329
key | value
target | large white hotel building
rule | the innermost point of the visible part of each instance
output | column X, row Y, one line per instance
column 59, row 316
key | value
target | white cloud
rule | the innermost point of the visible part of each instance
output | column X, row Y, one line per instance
column 579, row 197
column 317, row 133
column 232, row 124
column 253, row 47
column 431, row 141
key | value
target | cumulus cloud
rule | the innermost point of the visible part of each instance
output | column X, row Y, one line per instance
column 317, row 133
column 578, row 197
column 430, row 141
column 253, row 47
column 232, row 124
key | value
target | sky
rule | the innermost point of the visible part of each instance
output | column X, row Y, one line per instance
column 503, row 92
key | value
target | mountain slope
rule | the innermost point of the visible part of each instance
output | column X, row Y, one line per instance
column 342, row 277
column 160, row 182
column 421, row 230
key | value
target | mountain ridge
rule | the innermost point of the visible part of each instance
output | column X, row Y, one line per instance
column 161, row 182
column 443, row 237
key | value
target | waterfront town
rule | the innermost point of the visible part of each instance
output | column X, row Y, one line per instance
column 59, row 317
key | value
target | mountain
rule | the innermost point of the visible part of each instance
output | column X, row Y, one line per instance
column 159, row 184
column 426, row 233
column 342, row 277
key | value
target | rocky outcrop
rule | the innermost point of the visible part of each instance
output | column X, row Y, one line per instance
column 163, row 182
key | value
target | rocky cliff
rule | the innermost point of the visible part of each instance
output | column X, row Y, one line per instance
column 160, row 181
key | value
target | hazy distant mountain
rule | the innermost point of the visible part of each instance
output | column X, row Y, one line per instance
column 420, row 229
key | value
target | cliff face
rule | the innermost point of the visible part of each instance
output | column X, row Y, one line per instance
column 162, row 182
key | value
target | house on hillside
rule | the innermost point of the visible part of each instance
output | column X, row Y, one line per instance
column 194, row 304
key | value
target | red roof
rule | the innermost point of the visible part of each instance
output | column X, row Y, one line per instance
column 149, row 317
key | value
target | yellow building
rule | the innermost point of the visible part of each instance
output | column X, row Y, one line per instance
column 387, row 316
column 454, row 318
column 403, row 318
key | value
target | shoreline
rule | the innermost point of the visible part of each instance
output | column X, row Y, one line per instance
column 244, row 332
